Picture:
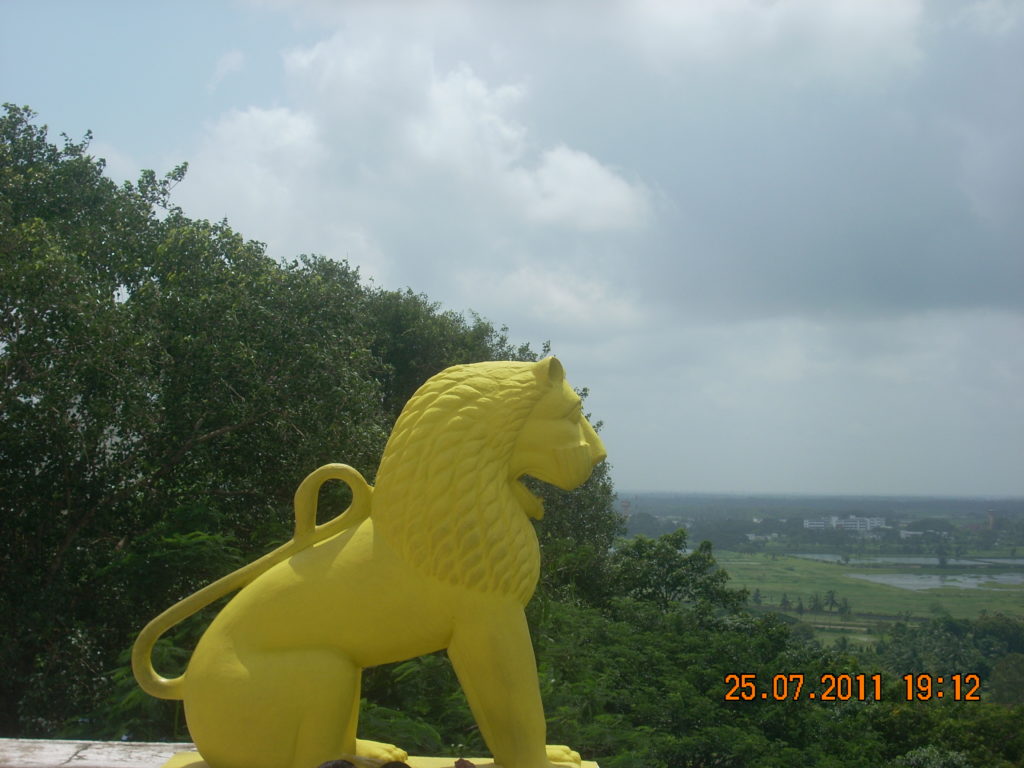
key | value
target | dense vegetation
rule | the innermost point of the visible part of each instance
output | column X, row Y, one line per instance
column 167, row 384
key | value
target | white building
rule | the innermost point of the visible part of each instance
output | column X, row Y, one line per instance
column 848, row 523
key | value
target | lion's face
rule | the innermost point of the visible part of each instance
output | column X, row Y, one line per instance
column 557, row 443
column 448, row 496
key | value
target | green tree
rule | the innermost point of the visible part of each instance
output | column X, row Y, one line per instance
column 830, row 601
column 1007, row 680
column 932, row 757
column 662, row 572
column 166, row 386
column 74, row 407
column 576, row 537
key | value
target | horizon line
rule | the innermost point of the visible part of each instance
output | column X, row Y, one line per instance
column 833, row 494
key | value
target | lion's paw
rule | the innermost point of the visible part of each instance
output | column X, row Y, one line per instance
column 559, row 753
column 378, row 750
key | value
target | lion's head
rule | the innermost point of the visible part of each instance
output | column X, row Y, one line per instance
column 448, row 493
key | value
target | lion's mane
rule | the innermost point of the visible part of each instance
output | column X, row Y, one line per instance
column 443, row 497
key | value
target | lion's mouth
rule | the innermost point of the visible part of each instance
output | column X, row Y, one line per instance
column 575, row 464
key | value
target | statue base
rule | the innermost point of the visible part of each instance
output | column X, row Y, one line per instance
column 194, row 760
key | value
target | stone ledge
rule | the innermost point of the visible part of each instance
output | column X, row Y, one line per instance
column 53, row 753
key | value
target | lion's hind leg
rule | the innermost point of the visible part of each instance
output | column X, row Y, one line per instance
column 275, row 709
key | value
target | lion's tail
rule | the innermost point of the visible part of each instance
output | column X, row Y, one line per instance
column 307, row 533
column 142, row 652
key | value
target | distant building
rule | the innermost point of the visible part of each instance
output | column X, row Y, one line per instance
column 848, row 523
column 905, row 534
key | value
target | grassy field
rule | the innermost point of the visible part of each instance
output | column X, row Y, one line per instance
column 870, row 603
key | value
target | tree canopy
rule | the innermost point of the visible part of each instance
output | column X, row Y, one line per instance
column 166, row 385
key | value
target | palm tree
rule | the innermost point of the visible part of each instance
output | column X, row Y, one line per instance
column 815, row 605
column 830, row 599
column 844, row 607
column 830, row 603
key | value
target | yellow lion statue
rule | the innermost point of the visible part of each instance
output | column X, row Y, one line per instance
column 440, row 554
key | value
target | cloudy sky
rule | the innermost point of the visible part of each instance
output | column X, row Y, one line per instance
column 781, row 241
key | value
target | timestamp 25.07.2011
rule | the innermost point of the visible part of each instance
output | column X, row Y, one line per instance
column 849, row 687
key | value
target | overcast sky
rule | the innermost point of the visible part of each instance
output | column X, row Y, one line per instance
column 782, row 242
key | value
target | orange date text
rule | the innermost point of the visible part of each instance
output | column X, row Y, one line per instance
column 796, row 687
column 849, row 687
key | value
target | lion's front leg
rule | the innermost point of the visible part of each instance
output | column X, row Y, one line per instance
column 379, row 750
column 493, row 658
column 561, row 754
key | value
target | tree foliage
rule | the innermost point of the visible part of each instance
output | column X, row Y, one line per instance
column 659, row 571
column 166, row 385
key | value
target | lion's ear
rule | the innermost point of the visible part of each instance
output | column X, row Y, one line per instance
column 550, row 369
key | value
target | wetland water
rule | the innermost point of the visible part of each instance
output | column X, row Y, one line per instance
column 915, row 560
column 986, row 573
column 916, row 581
